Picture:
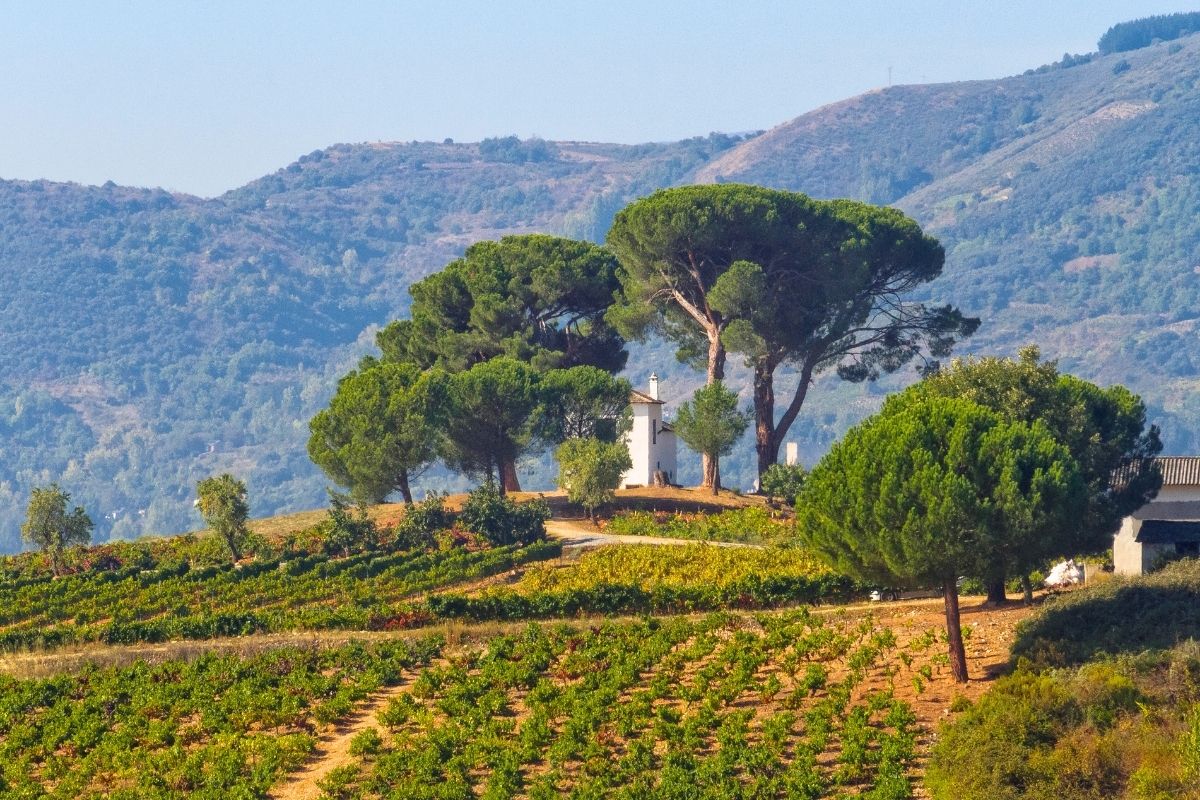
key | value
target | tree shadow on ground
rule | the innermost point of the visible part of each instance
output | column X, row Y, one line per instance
column 1120, row 616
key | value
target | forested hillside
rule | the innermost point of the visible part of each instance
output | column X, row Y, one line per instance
column 1068, row 200
column 154, row 338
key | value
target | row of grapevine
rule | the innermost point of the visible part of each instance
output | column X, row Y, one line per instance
column 368, row 591
column 729, row 706
column 219, row 727
column 374, row 591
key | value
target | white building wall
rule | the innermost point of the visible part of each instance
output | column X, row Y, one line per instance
column 665, row 457
column 638, row 440
column 1127, row 553
column 650, row 448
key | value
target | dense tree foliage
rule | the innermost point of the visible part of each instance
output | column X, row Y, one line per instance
column 590, row 471
column 1104, row 429
column 492, row 419
column 585, row 402
column 49, row 526
column 537, row 298
column 784, row 280
column 1146, row 31
column 382, row 427
column 928, row 489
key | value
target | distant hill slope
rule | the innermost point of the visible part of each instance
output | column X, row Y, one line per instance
column 152, row 338
column 1068, row 201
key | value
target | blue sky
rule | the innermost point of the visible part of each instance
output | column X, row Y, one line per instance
column 202, row 97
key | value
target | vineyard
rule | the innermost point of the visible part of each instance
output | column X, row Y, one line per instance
column 772, row 705
column 218, row 727
column 753, row 525
column 716, row 674
column 635, row 579
column 175, row 600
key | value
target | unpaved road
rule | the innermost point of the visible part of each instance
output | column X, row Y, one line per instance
column 580, row 534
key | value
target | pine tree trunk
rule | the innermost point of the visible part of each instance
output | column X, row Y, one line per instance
column 997, row 595
column 766, row 443
column 958, row 654
column 1027, row 587
column 712, row 474
column 405, row 491
column 716, row 358
column 716, row 371
column 508, row 477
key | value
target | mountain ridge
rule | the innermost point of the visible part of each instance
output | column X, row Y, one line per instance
column 153, row 337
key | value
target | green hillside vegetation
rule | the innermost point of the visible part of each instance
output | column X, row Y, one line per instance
column 155, row 338
column 1066, row 201
column 1104, row 702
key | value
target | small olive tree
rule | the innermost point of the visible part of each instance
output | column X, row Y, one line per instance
column 222, row 502
column 49, row 527
column 590, row 471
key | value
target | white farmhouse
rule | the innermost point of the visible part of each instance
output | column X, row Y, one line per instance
column 1166, row 527
column 651, row 440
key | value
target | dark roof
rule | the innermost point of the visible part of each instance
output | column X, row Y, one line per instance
column 1176, row 470
column 666, row 428
column 640, row 397
column 1161, row 531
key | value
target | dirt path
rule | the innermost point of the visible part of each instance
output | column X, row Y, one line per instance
column 579, row 534
column 333, row 748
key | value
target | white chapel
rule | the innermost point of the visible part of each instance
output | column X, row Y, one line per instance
column 651, row 440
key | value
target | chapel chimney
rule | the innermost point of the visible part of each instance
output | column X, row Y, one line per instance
column 653, row 386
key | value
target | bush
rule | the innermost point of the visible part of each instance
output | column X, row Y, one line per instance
column 366, row 743
column 1122, row 615
column 502, row 521
column 783, row 481
column 420, row 523
column 1105, row 730
column 590, row 470
column 348, row 529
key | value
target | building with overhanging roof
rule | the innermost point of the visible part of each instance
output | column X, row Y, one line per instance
column 1168, row 526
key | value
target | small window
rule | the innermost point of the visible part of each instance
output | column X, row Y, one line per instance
column 653, row 434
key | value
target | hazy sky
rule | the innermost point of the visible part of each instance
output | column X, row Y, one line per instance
column 204, row 96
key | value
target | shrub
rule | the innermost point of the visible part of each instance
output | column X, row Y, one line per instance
column 348, row 529
column 502, row 521
column 422, row 521
column 366, row 743
column 1122, row 615
column 1105, row 730
column 783, row 481
column 590, row 470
